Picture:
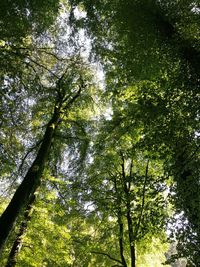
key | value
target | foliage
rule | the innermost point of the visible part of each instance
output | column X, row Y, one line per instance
column 22, row 18
column 103, row 168
column 152, row 47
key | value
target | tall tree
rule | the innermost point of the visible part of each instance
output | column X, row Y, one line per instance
column 121, row 189
column 67, row 89
column 150, row 54
column 154, row 46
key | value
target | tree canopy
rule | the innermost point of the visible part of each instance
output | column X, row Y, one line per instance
column 99, row 136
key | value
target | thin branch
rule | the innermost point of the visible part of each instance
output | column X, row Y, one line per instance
column 143, row 200
column 131, row 168
column 28, row 152
column 42, row 66
column 123, row 166
column 58, row 87
column 70, row 137
column 33, row 61
column 44, row 50
column 71, row 101
column 59, row 193
column 107, row 255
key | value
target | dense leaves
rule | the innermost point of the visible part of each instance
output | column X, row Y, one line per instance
column 121, row 167
column 22, row 18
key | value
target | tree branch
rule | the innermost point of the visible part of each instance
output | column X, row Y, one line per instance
column 143, row 200
column 107, row 255
column 27, row 154
column 71, row 101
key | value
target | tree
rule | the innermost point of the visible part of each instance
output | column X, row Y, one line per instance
column 154, row 46
column 67, row 89
column 149, row 51
column 121, row 189
column 39, row 75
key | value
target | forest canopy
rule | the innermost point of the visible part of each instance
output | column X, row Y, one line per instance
column 99, row 133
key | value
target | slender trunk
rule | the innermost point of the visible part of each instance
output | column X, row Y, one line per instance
column 33, row 177
column 131, row 236
column 17, row 245
column 137, row 228
column 30, row 183
column 121, row 234
column 120, row 224
column 127, row 186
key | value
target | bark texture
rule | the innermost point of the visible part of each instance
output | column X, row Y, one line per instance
column 17, row 245
column 30, row 183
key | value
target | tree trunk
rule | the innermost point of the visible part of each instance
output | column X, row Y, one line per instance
column 131, row 236
column 12, row 258
column 126, row 185
column 30, row 183
column 137, row 227
column 33, row 177
column 121, row 233
column 120, row 224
